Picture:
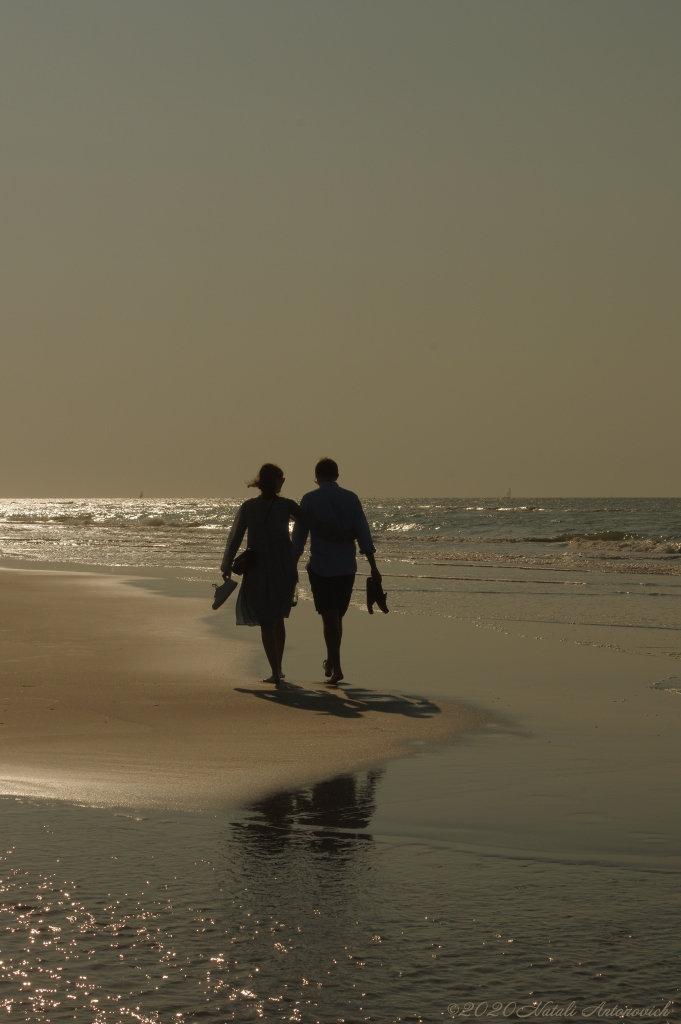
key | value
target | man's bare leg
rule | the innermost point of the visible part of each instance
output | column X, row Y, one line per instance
column 327, row 663
column 333, row 634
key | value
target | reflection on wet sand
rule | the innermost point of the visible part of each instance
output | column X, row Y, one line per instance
column 346, row 701
column 328, row 817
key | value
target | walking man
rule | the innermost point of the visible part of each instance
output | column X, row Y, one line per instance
column 333, row 565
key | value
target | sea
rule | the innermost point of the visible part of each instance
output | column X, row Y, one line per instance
column 531, row 870
column 582, row 569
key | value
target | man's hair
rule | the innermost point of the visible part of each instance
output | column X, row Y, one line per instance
column 326, row 469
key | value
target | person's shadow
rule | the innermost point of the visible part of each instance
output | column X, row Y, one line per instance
column 345, row 701
column 329, row 817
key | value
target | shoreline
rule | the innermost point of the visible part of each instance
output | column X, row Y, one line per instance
column 115, row 696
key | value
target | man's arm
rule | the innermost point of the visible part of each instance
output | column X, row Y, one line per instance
column 365, row 540
column 374, row 568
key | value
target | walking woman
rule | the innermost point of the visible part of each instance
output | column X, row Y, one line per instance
column 267, row 592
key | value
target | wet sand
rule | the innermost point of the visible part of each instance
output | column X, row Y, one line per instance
column 112, row 695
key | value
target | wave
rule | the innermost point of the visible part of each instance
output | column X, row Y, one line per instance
column 396, row 533
column 110, row 522
column 671, row 685
column 21, row 519
column 604, row 540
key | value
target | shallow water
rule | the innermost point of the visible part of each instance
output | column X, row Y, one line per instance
column 296, row 909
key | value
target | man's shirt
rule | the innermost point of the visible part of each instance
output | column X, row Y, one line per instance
column 332, row 505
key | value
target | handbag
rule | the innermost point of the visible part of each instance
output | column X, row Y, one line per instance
column 244, row 562
column 247, row 560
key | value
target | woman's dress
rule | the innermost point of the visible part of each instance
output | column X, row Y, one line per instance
column 267, row 591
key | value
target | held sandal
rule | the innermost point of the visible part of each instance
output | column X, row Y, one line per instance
column 376, row 596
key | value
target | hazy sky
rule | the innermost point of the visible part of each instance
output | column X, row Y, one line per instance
column 438, row 241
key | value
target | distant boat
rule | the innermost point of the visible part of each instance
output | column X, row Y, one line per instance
column 507, row 495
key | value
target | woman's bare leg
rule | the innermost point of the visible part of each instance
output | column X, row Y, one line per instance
column 280, row 637
column 269, row 642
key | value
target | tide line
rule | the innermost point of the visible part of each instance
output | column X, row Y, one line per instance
column 476, row 579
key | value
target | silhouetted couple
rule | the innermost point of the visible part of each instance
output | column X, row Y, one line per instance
column 334, row 519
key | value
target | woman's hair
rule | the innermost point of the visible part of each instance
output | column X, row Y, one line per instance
column 268, row 478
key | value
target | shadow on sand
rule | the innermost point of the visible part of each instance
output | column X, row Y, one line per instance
column 345, row 701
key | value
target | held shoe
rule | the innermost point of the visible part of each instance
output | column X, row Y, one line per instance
column 222, row 592
column 376, row 596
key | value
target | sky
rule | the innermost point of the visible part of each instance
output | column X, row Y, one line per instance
column 436, row 241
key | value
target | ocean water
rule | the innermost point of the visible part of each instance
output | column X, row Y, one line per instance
column 519, row 870
column 597, row 571
column 623, row 533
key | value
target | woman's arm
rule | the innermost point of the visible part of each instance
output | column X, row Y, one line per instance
column 300, row 530
column 236, row 535
column 295, row 512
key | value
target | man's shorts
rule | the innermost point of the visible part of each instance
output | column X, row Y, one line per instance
column 331, row 592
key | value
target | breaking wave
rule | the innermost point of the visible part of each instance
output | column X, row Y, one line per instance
column 603, row 541
column 111, row 522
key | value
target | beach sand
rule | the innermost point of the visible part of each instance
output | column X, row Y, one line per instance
column 112, row 695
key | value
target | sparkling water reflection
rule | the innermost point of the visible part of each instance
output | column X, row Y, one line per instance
column 293, row 910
